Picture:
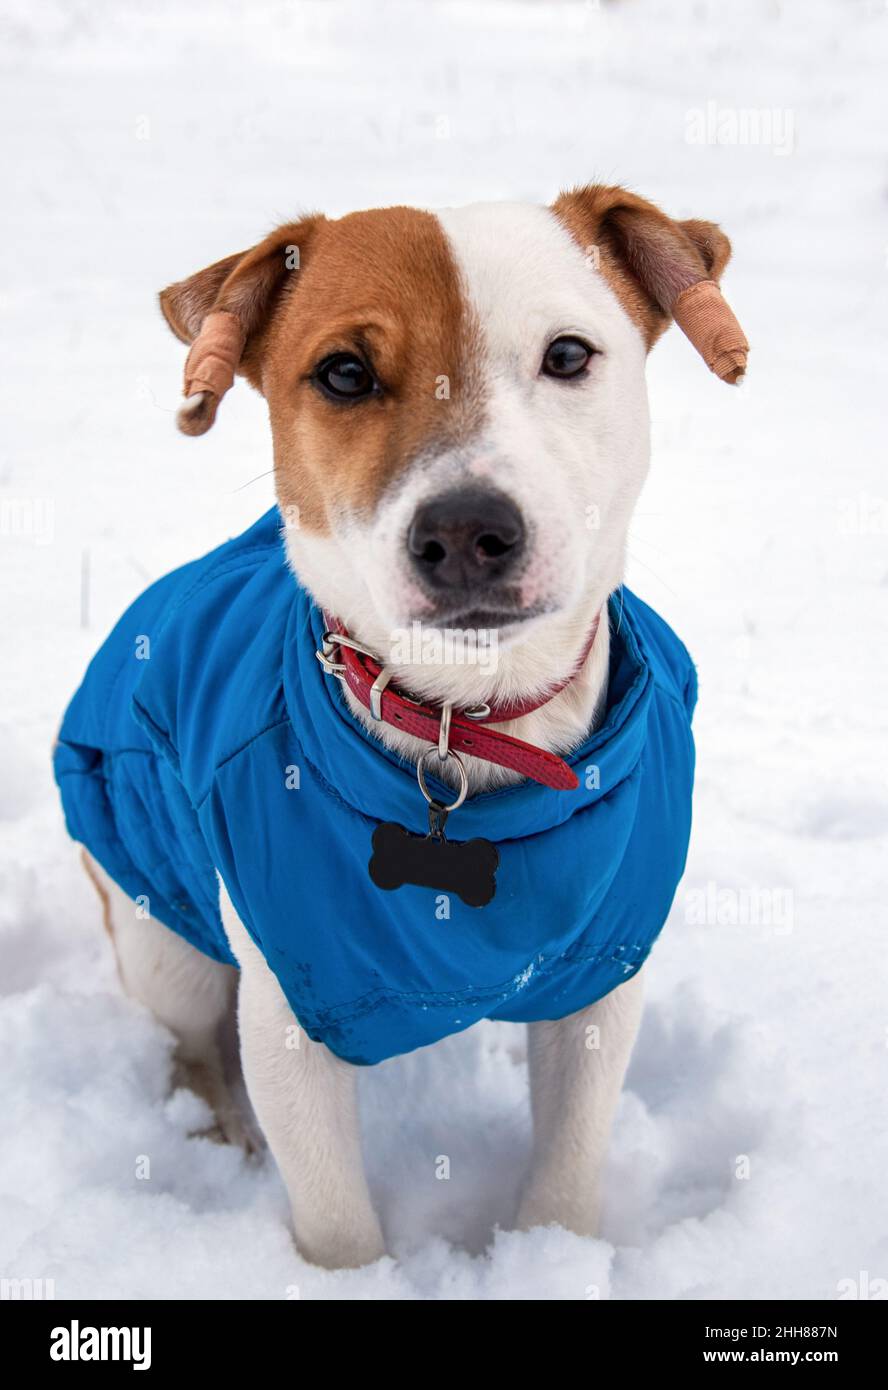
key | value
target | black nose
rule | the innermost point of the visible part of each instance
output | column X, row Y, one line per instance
column 466, row 539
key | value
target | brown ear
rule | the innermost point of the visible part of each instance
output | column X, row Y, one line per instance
column 186, row 304
column 660, row 269
column 224, row 311
column 711, row 242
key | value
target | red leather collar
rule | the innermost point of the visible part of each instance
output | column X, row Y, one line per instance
column 366, row 678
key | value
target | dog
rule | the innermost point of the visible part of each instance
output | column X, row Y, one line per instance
column 460, row 427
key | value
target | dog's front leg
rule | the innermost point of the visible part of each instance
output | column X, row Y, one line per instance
column 305, row 1100
column 577, row 1065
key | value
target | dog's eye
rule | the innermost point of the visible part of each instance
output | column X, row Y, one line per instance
column 344, row 377
column 566, row 357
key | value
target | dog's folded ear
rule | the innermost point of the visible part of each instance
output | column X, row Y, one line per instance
column 224, row 311
column 660, row 269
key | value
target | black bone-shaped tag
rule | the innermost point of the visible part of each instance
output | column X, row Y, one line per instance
column 431, row 861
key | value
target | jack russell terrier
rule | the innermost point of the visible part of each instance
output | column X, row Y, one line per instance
column 429, row 629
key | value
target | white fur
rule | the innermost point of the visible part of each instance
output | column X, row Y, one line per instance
column 577, row 1065
column 305, row 1099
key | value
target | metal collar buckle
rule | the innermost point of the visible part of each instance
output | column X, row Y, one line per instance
column 329, row 643
column 325, row 654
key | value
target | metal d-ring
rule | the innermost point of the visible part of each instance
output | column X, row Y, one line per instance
column 463, row 777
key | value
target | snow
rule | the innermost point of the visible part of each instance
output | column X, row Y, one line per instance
column 142, row 142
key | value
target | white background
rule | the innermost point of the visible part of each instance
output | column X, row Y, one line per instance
column 144, row 141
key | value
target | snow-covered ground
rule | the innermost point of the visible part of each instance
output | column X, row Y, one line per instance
column 143, row 141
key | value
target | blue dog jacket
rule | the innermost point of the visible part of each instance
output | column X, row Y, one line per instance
column 205, row 736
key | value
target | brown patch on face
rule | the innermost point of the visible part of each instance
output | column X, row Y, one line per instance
column 384, row 285
column 647, row 258
column 381, row 284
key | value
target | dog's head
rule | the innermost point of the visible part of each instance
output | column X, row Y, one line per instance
column 457, row 401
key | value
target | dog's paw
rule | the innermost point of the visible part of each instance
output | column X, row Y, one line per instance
column 578, row 1212
column 227, row 1123
column 351, row 1251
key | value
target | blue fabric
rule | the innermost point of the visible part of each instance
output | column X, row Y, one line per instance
column 175, row 758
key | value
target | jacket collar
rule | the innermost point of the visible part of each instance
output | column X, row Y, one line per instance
column 374, row 781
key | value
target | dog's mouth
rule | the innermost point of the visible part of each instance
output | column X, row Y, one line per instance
column 494, row 609
column 479, row 619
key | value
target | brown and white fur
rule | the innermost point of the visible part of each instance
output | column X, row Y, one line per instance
column 453, row 314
